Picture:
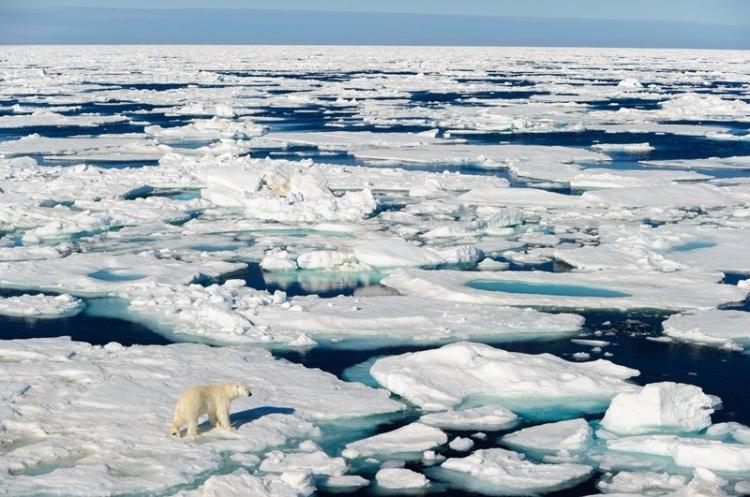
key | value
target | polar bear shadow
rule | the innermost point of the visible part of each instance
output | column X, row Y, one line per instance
column 249, row 415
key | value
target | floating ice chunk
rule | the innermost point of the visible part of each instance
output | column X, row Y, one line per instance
column 503, row 472
column 461, row 444
column 688, row 452
column 409, row 439
column 568, row 435
column 41, row 306
column 487, row 418
column 400, row 479
column 720, row 328
column 629, row 148
column 440, row 379
column 662, row 407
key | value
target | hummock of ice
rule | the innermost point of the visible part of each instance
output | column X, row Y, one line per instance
column 664, row 407
column 443, row 378
column 112, row 406
column 503, row 472
column 410, row 439
column 41, row 306
column 720, row 328
column 568, row 435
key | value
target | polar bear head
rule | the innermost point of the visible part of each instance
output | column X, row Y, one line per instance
column 241, row 390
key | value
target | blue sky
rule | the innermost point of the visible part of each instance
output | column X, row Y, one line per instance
column 640, row 23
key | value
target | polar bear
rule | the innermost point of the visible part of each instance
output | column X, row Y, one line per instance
column 212, row 400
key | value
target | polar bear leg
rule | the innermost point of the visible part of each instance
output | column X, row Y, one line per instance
column 222, row 413
column 192, row 430
column 213, row 419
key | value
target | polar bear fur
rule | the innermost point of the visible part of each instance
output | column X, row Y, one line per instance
column 211, row 400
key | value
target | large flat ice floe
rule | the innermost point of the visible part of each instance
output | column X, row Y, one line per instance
column 92, row 421
column 444, row 378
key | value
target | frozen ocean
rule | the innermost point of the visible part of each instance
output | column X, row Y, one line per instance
column 453, row 272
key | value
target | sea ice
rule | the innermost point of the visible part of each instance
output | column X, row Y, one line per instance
column 443, row 378
column 503, row 472
column 90, row 421
column 400, row 479
column 487, row 418
column 41, row 306
column 410, row 439
column 569, row 435
column 660, row 407
column 720, row 328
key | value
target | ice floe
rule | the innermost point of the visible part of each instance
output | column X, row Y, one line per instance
column 444, row 378
column 720, row 328
column 503, row 472
column 569, row 435
column 660, row 407
column 41, row 306
column 414, row 438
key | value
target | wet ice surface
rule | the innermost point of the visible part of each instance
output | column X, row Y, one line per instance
column 426, row 221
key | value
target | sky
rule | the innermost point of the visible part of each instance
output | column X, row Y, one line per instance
column 629, row 23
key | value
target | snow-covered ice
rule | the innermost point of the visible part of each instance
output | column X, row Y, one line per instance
column 720, row 328
column 661, row 407
column 503, row 472
column 443, row 378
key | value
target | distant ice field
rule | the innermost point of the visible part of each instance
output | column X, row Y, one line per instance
column 443, row 271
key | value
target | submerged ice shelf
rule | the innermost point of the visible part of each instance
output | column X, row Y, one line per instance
column 528, row 247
